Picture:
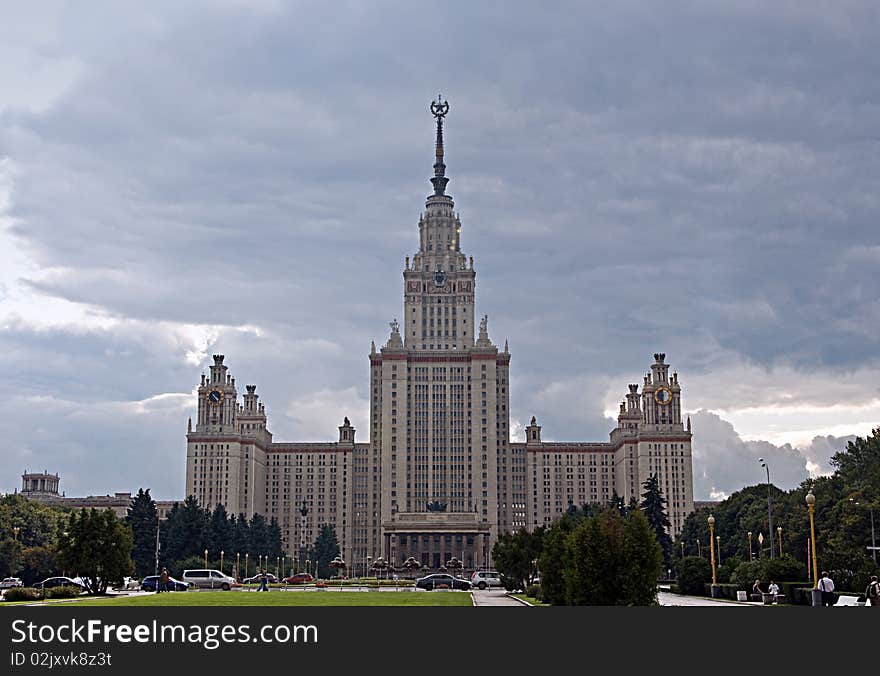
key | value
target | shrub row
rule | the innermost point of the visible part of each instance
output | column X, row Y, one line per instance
column 31, row 594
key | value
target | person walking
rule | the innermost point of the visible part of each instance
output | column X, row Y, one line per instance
column 826, row 586
column 163, row 581
column 872, row 592
column 264, row 581
column 773, row 589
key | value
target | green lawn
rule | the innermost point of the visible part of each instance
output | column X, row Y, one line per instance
column 288, row 598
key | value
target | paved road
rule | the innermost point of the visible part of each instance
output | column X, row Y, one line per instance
column 667, row 599
column 494, row 597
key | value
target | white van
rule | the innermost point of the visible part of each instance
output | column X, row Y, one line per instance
column 205, row 578
column 486, row 578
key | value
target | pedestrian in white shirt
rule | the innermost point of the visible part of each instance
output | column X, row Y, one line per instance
column 826, row 586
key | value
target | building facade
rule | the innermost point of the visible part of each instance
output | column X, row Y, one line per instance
column 437, row 476
column 43, row 487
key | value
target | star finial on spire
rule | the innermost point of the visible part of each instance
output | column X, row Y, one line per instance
column 439, row 108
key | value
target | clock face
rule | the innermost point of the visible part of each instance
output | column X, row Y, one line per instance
column 214, row 396
column 439, row 278
column 663, row 395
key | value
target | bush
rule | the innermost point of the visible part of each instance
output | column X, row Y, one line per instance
column 22, row 594
column 66, row 592
column 746, row 573
column 782, row 568
column 693, row 573
column 725, row 571
column 534, row 591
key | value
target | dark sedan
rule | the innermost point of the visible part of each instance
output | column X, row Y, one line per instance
column 442, row 581
column 149, row 583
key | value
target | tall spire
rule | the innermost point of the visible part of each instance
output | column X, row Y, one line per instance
column 439, row 108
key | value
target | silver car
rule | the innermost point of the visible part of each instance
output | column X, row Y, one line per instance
column 206, row 578
column 482, row 579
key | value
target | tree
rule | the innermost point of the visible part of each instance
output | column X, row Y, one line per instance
column 693, row 574
column 552, row 561
column 516, row 554
column 240, row 535
column 326, row 549
column 10, row 557
column 38, row 525
column 259, row 543
column 275, row 538
column 187, row 528
column 97, row 546
column 644, row 560
column 219, row 535
column 38, row 563
column 654, row 507
column 143, row 519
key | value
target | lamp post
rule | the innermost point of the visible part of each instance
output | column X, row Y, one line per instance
column 779, row 533
column 699, row 549
column 246, row 556
column 15, row 532
column 750, row 546
column 761, row 545
column 769, row 506
column 682, row 549
column 718, row 547
column 237, row 566
column 221, row 560
column 712, row 551
column 811, row 506
column 206, row 558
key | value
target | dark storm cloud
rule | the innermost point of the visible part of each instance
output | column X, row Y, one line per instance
column 700, row 180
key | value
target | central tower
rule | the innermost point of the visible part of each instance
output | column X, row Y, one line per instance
column 439, row 405
column 439, row 287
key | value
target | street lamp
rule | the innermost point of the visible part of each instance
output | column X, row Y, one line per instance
column 206, row 558
column 761, row 545
column 769, row 506
column 15, row 532
column 237, row 567
column 246, row 556
column 811, row 506
column 750, row 546
column 718, row 549
column 682, row 549
column 221, row 560
column 699, row 549
column 712, row 548
column 779, row 533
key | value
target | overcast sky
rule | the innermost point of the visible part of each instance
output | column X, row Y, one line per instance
column 246, row 177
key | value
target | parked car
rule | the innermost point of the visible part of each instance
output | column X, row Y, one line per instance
column 51, row 582
column 255, row 579
column 442, row 580
column 206, row 578
column 150, row 583
column 10, row 582
column 481, row 579
column 299, row 578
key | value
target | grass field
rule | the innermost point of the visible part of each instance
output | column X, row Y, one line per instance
column 280, row 598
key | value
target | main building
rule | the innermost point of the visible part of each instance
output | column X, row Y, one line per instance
column 438, row 477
